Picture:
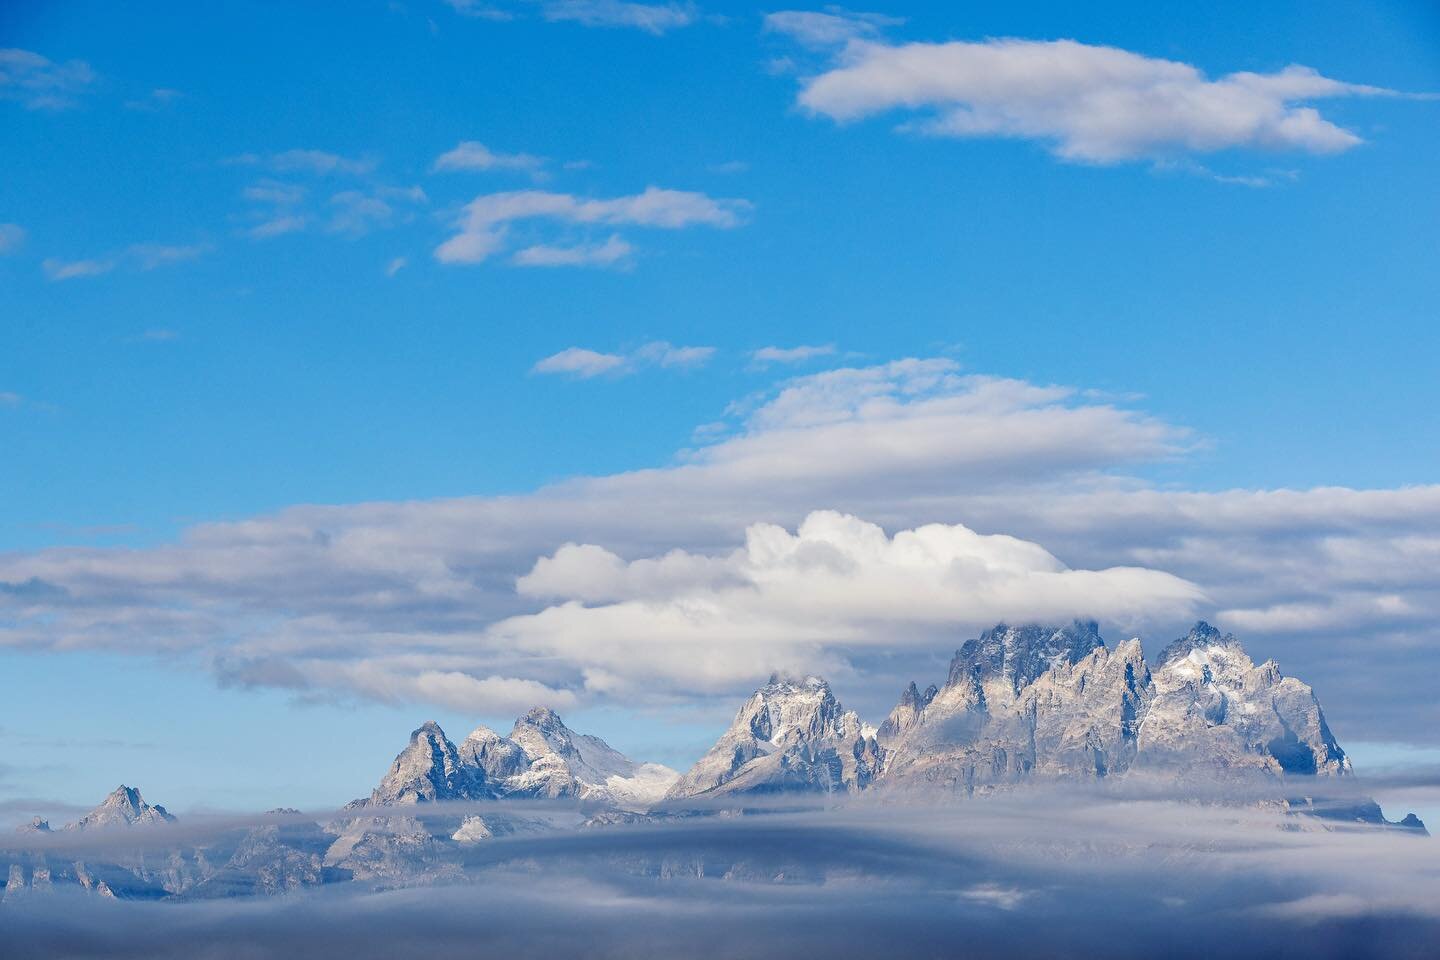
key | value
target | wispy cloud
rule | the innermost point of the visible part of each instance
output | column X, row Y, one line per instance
column 280, row 207
column 580, row 362
column 1090, row 103
column 307, row 161
column 584, row 364
column 608, row 254
column 157, row 99
column 768, row 355
column 140, row 256
column 486, row 220
column 471, row 155
column 656, row 18
column 835, row 26
column 38, row 83
column 12, row 237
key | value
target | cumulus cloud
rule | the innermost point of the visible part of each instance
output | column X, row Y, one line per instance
column 703, row 622
column 38, row 83
column 472, row 155
column 1090, row 103
column 583, row 363
column 483, row 227
column 1339, row 585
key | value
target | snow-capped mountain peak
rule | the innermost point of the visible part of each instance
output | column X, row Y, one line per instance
column 124, row 807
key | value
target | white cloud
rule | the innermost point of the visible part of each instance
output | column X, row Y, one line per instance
column 1091, row 103
column 141, row 256
column 487, row 218
column 38, row 83
column 275, row 192
column 319, row 162
column 768, row 355
column 656, row 18
column 833, row 27
column 580, row 362
column 473, row 155
column 395, row 266
column 358, row 212
column 695, row 622
column 9, row 398
column 278, row 226
column 1340, row 585
column 668, row 355
column 149, row 256
column 12, row 237
column 612, row 252
column 584, row 363
column 56, row 269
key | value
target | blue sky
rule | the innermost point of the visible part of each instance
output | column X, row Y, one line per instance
column 223, row 296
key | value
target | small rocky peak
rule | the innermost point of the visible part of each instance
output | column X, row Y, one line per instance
column 1202, row 636
column 498, row 756
column 1021, row 654
column 541, row 731
column 907, row 712
column 36, row 825
column 1412, row 822
column 427, row 769
column 542, row 718
column 123, row 807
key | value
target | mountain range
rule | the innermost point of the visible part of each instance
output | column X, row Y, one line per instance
column 1019, row 706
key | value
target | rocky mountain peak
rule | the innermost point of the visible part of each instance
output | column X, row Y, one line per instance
column 1019, row 655
column 124, row 807
column 1202, row 636
column 541, row 732
column 36, row 825
column 429, row 770
column 792, row 733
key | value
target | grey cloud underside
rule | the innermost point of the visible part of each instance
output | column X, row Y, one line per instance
column 1043, row 876
column 397, row 601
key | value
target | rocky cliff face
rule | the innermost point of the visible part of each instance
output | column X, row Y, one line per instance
column 1034, row 703
column 791, row 735
column 541, row 758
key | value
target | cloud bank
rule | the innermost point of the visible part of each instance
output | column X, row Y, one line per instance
column 1340, row 585
column 1034, row 876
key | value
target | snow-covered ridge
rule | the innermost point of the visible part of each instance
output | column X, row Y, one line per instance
column 1031, row 702
column 540, row 758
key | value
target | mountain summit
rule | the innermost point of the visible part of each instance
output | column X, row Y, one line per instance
column 792, row 734
column 541, row 758
column 1033, row 703
column 124, row 807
